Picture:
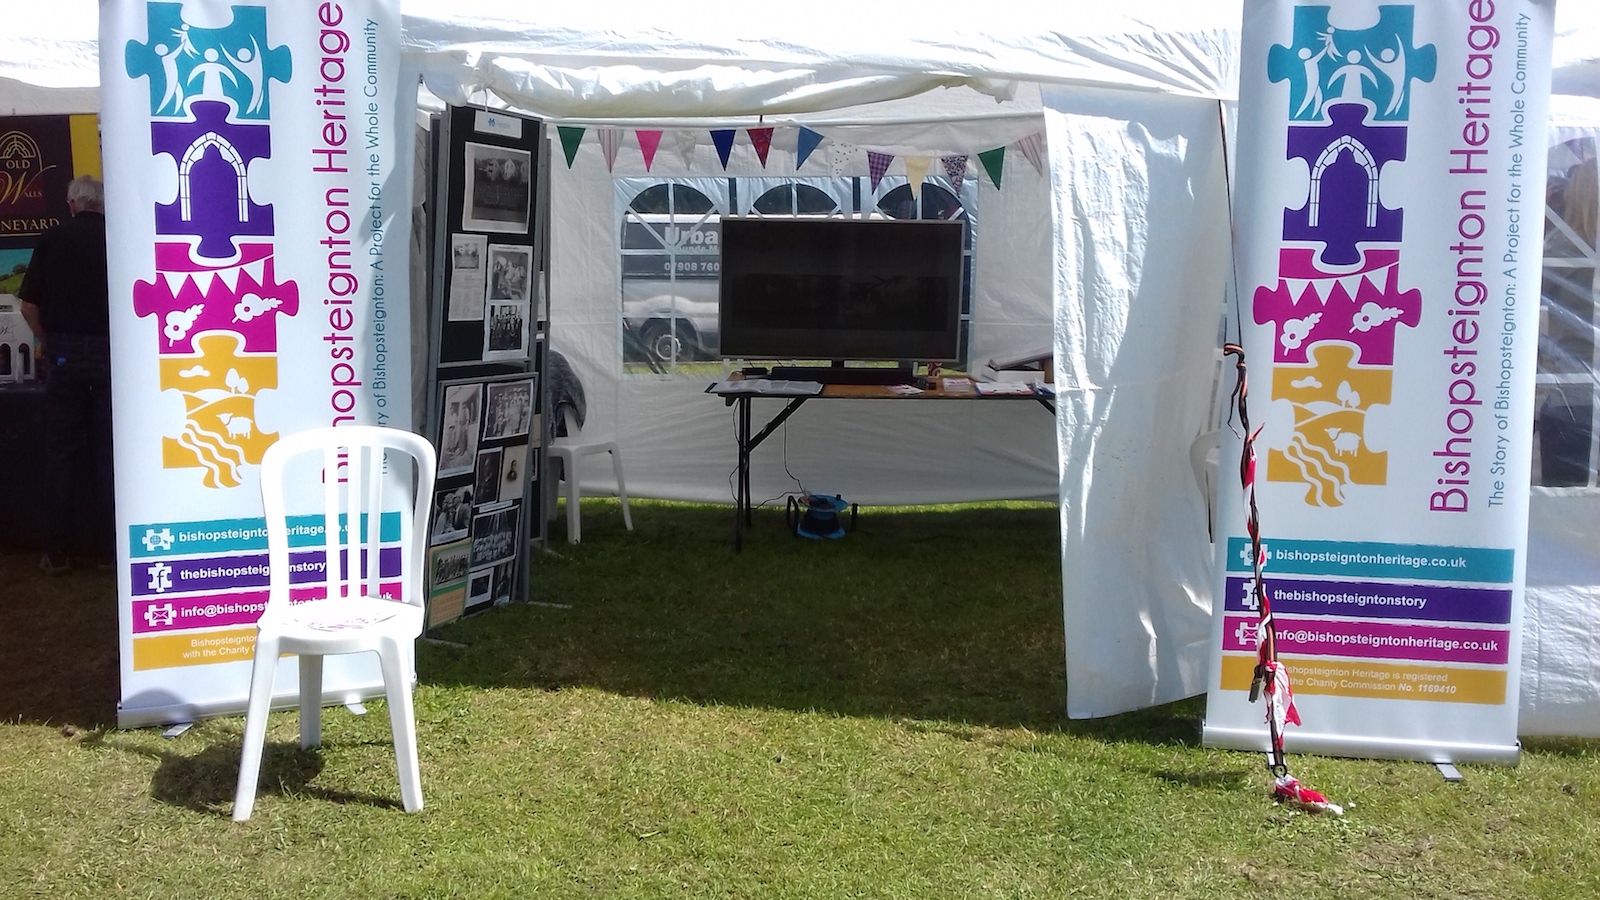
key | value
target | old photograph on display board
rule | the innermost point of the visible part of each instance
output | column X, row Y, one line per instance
column 498, row 191
column 447, row 604
column 494, row 535
column 488, row 479
column 510, row 273
column 504, row 581
column 480, row 588
column 452, row 514
column 513, row 471
column 508, row 411
column 447, row 565
column 468, row 283
column 458, row 428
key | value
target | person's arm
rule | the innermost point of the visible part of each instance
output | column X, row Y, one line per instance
column 31, row 315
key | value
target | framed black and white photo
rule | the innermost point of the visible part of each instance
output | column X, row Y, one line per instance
column 510, row 285
column 508, row 411
column 447, row 565
column 468, row 277
column 504, row 581
column 513, row 471
column 452, row 514
column 488, row 477
column 494, row 535
column 460, row 413
column 498, row 189
column 480, row 588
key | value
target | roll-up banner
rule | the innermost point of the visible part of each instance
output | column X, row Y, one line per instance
column 1388, row 209
column 258, row 200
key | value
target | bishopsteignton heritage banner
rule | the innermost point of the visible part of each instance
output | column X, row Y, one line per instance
column 1389, row 215
column 258, row 166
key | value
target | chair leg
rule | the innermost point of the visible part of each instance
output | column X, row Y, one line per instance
column 262, row 672
column 310, row 701
column 402, row 720
column 574, row 526
column 622, row 488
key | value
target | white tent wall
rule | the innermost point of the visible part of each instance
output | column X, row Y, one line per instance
column 677, row 441
column 1141, row 224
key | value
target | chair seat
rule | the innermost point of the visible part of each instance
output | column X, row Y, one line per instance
column 346, row 625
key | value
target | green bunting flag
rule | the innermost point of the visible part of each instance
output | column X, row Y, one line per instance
column 993, row 163
column 571, row 137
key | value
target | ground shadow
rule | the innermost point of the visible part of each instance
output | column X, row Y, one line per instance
column 59, row 644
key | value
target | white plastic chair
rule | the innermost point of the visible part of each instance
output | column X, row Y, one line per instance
column 352, row 617
column 569, row 450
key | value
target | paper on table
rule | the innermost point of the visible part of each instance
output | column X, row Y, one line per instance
column 768, row 386
column 1004, row 387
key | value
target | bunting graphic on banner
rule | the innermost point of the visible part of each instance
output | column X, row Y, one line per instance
column 609, row 138
column 723, row 139
column 994, row 162
column 1032, row 148
column 877, row 165
column 761, row 139
column 807, row 142
column 648, row 142
column 916, row 171
column 571, row 137
column 955, row 169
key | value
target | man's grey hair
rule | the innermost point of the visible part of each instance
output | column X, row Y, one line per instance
column 88, row 193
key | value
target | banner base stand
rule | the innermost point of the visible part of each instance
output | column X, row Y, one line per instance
column 1296, row 741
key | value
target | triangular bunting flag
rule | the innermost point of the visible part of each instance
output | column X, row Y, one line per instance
column 994, row 162
column 687, row 139
column 955, row 168
column 609, row 138
column 761, row 139
column 808, row 142
column 1032, row 147
column 916, row 170
column 648, row 142
column 723, row 138
column 571, row 137
column 877, row 165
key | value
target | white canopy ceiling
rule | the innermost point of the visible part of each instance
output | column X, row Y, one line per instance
column 641, row 58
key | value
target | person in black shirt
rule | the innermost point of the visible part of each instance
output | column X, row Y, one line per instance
column 65, row 301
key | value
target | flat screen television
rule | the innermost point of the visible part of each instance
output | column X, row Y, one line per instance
column 841, row 289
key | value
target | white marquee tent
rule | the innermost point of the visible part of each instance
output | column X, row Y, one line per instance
column 1113, row 250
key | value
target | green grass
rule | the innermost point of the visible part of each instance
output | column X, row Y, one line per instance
column 875, row 717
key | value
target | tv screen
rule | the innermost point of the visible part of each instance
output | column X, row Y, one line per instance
column 841, row 289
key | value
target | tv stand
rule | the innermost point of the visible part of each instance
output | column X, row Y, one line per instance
column 843, row 374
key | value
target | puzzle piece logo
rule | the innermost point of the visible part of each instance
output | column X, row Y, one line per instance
column 192, row 296
column 212, row 158
column 1311, row 305
column 219, row 383
column 162, row 615
column 154, row 540
column 1328, row 450
column 1343, row 208
column 1373, row 67
column 184, row 63
column 160, row 578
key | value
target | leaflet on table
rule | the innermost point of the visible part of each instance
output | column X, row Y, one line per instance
column 1003, row 387
column 767, row 386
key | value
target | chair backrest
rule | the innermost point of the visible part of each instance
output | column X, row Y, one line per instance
column 569, row 417
column 366, row 472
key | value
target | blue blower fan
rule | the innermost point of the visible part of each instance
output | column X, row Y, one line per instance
column 817, row 516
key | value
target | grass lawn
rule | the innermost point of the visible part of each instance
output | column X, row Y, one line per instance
column 876, row 717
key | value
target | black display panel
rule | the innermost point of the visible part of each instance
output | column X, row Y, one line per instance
column 841, row 289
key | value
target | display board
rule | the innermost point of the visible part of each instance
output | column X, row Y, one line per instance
column 41, row 154
column 258, row 207
column 1389, row 207
column 487, row 343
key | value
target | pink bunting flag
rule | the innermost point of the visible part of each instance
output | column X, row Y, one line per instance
column 1032, row 147
column 761, row 139
column 649, row 141
column 878, row 165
